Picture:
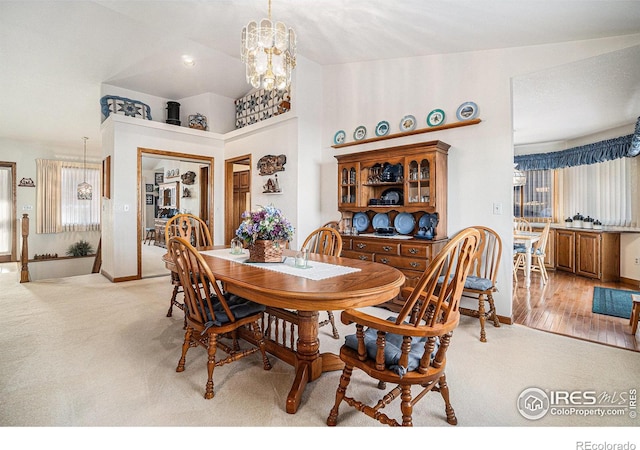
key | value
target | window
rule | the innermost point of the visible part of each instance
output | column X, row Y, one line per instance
column 603, row 191
column 79, row 215
column 58, row 207
column 536, row 197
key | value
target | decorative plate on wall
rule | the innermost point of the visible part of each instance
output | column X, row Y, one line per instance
column 467, row 111
column 339, row 137
column 382, row 128
column 360, row 133
column 408, row 123
column 435, row 118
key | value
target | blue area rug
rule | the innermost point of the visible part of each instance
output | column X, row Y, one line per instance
column 612, row 302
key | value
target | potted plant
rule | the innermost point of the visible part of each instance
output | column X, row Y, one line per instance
column 80, row 248
column 265, row 231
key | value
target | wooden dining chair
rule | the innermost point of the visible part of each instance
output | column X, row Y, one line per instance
column 538, row 255
column 409, row 350
column 481, row 282
column 211, row 314
column 521, row 224
column 196, row 231
column 325, row 241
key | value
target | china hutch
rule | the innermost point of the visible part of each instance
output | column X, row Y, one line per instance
column 388, row 196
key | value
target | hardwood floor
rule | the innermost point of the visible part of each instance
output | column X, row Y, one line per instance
column 563, row 306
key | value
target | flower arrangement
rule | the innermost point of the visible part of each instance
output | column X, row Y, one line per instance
column 265, row 223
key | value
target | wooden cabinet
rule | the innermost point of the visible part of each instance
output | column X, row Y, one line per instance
column 593, row 254
column 418, row 187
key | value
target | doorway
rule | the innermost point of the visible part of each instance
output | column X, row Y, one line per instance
column 7, row 212
column 237, row 181
column 191, row 177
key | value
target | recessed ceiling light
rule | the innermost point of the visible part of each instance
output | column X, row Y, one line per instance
column 188, row 61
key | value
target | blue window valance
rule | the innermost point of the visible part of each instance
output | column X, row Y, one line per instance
column 607, row 150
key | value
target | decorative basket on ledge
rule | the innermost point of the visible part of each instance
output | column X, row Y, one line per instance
column 266, row 251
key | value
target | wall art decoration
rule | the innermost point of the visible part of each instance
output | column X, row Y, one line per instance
column 198, row 122
column 148, row 187
column 261, row 105
column 188, row 177
column 159, row 178
column 149, row 199
column 172, row 173
column 271, row 186
column 270, row 164
column 27, row 182
column 125, row 106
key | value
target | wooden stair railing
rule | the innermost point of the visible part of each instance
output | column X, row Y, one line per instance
column 24, row 258
column 97, row 263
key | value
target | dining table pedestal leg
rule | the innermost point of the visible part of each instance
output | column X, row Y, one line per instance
column 308, row 360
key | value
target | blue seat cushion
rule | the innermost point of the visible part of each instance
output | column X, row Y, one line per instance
column 473, row 282
column 240, row 308
column 533, row 252
column 392, row 349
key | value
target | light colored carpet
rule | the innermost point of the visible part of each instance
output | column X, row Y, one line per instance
column 84, row 352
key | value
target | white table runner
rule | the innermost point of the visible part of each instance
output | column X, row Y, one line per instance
column 316, row 270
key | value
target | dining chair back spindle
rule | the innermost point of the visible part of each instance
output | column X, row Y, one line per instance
column 213, row 315
column 409, row 350
column 197, row 233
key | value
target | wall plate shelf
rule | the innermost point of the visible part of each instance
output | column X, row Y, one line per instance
column 410, row 133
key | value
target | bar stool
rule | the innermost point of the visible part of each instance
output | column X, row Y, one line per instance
column 150, row 235
column 635, row 313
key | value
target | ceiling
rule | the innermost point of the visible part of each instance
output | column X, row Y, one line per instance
column 54, row 55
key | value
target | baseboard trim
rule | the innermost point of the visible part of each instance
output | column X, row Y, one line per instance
column 630, row 282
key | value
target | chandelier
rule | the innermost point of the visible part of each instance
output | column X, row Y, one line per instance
column 519, row 178
column 84, row 188
column 269, row 51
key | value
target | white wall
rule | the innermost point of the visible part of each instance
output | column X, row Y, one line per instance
column 480, row 158
column 122, row 136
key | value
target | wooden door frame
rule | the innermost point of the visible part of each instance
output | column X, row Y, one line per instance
column 228, row 189
column 14, row 238
column 199, row 159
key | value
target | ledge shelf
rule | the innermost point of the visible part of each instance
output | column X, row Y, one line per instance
column 410, row 133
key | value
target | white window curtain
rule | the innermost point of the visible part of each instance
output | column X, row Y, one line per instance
column 6, row 210
column 80, row 215
column 605, row 191
column 58, row 207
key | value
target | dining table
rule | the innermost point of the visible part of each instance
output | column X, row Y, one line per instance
column 526, row 238
column 326, row 283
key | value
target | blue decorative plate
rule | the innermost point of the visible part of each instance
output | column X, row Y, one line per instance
column 408, row 123
column 404, row 223
column 467, row 111
column 435, row 118
column 360, row 133
column 339, row 137
column 360, row 221
column 380, row 220
column 382, row 128
column 428, row 220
